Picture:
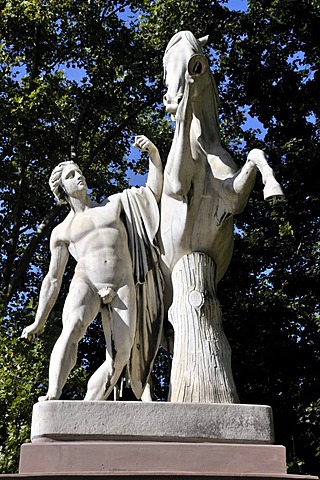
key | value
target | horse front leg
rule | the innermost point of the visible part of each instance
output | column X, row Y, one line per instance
column 243, row 181
column 179, row 169
column 241, row 185
column 272, row 189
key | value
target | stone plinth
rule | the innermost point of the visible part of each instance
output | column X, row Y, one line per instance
column 163, row 458
column 154, row 421
column 152, row 476
column 123, row 440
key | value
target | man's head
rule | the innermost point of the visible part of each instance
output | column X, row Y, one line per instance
column 66, row 179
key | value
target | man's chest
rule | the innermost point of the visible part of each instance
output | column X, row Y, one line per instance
column 93, row 221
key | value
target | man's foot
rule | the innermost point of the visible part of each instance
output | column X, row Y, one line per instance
column 147, row 396
column 47, row 397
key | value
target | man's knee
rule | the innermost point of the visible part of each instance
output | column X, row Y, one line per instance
column 73, row 330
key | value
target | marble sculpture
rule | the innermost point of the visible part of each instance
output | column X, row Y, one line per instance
column 117, row 273
column 202, row 190
column 191, row 204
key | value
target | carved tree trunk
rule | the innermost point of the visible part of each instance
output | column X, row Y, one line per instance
column 201, row 367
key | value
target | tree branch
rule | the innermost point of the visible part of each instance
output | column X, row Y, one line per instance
column 36, row 55
column 14, row 237
column 103, row 18
column 77, row 128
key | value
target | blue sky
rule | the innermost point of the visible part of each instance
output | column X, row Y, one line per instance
column 237, row 4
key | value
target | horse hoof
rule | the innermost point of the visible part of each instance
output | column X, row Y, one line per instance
column 272, row 190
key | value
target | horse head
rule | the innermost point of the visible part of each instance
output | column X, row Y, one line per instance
column 183, row 56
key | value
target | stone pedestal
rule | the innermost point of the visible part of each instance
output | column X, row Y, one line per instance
column 134, row 440
column 154, row 421
column 150, row 458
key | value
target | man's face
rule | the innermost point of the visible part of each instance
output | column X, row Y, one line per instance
column 73, row 182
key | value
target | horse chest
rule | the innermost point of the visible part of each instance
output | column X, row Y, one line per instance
column 202, row 195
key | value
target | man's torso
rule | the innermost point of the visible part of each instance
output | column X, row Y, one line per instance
column 98, row 241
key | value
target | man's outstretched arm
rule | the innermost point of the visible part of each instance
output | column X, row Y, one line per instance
column 50, row 287
column 155, row 174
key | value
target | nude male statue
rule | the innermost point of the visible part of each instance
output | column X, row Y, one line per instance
column 97, row 237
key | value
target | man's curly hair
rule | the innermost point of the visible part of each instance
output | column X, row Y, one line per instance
column 55, row 181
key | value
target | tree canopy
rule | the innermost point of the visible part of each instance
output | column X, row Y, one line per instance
column 82, row 77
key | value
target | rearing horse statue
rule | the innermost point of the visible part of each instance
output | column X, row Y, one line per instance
column 202, row 191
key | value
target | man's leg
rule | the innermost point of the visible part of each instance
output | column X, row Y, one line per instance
column 119, row 327
column 81, row 307
column 102, row 376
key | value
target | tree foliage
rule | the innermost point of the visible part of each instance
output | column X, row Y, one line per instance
column 82, row 77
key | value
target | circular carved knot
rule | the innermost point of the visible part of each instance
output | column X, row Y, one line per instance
column 196, row 298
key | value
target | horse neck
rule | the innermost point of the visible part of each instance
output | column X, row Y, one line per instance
column 205, row 123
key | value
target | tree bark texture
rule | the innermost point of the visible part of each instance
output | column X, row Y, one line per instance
column 201, row 368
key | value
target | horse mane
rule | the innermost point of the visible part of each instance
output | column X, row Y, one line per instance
column 188, row 37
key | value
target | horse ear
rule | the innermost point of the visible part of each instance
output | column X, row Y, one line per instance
column 203, row 40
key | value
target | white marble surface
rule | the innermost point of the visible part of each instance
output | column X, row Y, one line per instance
column 203, row 189
column 113, row 245
column 161, row 421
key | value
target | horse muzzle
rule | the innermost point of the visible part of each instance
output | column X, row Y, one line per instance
column 172, row 104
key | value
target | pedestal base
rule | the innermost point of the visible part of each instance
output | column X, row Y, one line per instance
column 132, row 440
column 151, row 476
column 154, row 421
column 152, row 458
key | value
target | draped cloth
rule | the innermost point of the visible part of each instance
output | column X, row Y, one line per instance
column 142, row 220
